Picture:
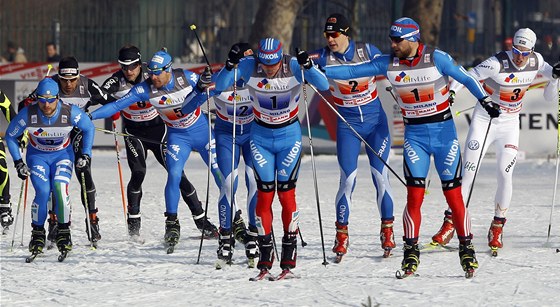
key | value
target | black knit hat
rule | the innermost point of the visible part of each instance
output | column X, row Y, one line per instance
column 338, row 23
column 68, row 68
column 129, row 54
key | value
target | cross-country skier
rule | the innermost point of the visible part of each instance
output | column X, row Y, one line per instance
column 50, row 157
column 142, row 119
column 507, row 76
column 274, row 82
column 419, row 74
column 358, row 102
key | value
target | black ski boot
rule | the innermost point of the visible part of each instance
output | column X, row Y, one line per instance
column 289, row 251
column 411, row 258
column 208, row 230
column 134, row 222
column 468, row 258
column 53, row 227
column 251, row 249
column 63, row 238
column 172, row 230
column 225, row 248
column 266, row 257
column 94, row 222
column 6, row 218
column 239, row 228
column 37, row 241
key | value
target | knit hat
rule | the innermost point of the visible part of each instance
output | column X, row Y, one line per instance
column 525, row 37
column 270, row 51
column 338, row 23
column 161, row 61
column 47, row 88
column 405, row 28
column 68, row 68
column 129, row 55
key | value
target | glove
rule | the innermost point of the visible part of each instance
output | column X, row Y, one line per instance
column 492, row 108
column 83, row 162
column 205, row 79
column 303, row 59
column 114, row 117
column 235, row 54
column 451, row 98
column 556, row 70
column 22, row 169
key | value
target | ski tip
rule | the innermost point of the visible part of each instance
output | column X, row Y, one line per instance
column 469, row 273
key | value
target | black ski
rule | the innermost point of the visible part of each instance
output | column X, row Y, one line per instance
column 494, row 251
column 62, row 256
column 32, row 257
column 170, row 249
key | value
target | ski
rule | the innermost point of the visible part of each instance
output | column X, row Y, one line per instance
column 62, row 256
column 402, row 274
column 285, row 274
column 338, row 257
column 32, row 257
column 434, row 246
column 387, row 252
column 494, row 251
column 170, row 249
column 263, row 274
column 222, row 263
column 5, row 230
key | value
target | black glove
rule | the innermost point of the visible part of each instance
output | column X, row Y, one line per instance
column 451, row 98
column 83, row 161
column 205, row 79
column 304, row 60
column 492, row 108
column 556, row 70
column 235, row 54
column 22, row 169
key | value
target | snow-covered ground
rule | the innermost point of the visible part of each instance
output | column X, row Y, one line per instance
column 121, row 272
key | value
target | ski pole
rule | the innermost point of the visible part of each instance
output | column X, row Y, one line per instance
column 24, row 208
column 478, row 163
column 17, row 214
column 464, row 110
column 120, row 172
column 313, row 169
column 233, row 167
column 557, row 164
column 88, row 220
column 357, row 134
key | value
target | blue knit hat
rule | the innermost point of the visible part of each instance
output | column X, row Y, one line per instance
column 270, row 51
column 161, row 61
column 47, row 88
column 405, row 28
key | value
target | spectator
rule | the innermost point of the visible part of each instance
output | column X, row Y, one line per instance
column 14, row 54
column 52, row 53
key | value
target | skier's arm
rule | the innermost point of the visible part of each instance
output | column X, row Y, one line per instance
column 15, row 129
column 487, row 69
column 377, row 66
column 312, row 75
column 82, row 121
column 138, row 93
column 446, row 66
column 244, row 70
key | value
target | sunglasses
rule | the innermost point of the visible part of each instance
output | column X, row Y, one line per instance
column 132, row 66
column 49, row 99
column 332, row 34
column 158, row 71
column 519, row 52
column 395, row 39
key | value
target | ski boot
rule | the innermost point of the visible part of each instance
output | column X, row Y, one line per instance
column 468, row 258
column 206, row 227
column 63, row 238
column 340, row 242
column 411, row 260
column 225, row 248
column 289, row 251
column 6, row 218
column 134, row 223
column 446, row 232
column 37, row 242
column 387, row 237
column 94, row 222
column 266, row 258
column 53, row 227
column 495, row 235
column 251, row 249
column 172, row 232
column 239, row 228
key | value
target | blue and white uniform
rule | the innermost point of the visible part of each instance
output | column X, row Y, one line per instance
column 50, row 154
column 186, row 131
column 358, row 102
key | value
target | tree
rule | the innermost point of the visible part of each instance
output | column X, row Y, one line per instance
column 276, row 18
column 427, row 13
